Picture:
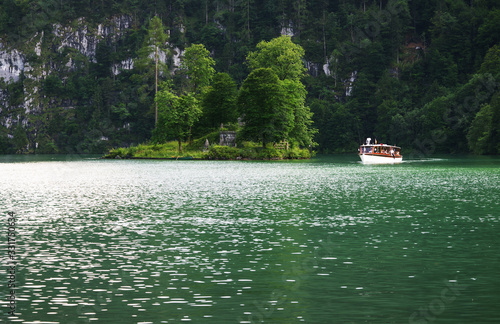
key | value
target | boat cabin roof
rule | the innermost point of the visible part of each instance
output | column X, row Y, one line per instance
column 381, row 145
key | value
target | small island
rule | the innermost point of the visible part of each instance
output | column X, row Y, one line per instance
column 265, row 119
column 202, row 150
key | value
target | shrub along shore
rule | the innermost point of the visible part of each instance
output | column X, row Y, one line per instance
column 170, row 151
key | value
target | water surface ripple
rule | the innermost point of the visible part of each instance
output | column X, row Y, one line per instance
column 321, row 241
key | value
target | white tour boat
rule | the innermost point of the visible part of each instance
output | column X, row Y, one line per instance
column 379, row 153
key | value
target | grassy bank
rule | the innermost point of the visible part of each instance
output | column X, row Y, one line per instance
column 249, row 151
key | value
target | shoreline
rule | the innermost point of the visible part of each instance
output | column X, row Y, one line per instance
column 169, row 151
column 190, row 158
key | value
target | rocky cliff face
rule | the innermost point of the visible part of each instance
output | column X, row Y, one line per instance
column 79, row 36
column 84, row 38
column 57, row 53
column 11, row 63
column 33, row 61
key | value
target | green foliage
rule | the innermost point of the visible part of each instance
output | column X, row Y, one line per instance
column 16, row 92
column 198, row 66
column 251, row 152
column 217, row 152
column 199, row 144
column 302, row 132
column 154, row 44
column 281, row 55
column 219, row 101
column 402, row 71
column 339, row 124
column 447, row 119
column 167, row 150
column 273, row 102
column 46, row 146
column 53, row 86
column 6, row 145
column 297, row 153
column 491, row 63
column 120, row 111
column 482, row 136
column 480, row 131
column 177, row 114
column 267, row 118
column 20, row 139
column 489, row 30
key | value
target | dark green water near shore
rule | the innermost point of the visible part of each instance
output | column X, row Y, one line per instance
column 327, row 240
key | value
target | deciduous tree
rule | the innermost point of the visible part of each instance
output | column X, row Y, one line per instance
column 284, row 58
column 198, row 66
column 219, row 101
column 177, row 114
column 281, row 55
column 266, row 115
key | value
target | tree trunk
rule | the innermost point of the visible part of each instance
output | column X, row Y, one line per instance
column 324, row 36
column 156, row 86
column 206, row 12
column 248, row 18
column 180, row 145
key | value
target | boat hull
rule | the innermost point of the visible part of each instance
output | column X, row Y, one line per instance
column 379, row 159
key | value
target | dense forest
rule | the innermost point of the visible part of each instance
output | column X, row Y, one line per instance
column 421, row 74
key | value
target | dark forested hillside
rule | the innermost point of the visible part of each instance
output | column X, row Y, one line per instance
column 423, row 74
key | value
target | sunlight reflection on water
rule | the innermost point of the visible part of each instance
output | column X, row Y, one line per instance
column 151, row 241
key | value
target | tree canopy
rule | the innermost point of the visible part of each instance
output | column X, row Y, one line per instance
column 198, row 66
column 219, row 101
column 177, row 114
column 285, row 59
column 281, row 55
column 266, row 116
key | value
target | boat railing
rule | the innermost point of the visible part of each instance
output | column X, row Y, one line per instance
column 380, row 150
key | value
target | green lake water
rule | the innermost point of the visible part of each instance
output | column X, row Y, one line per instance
column 327, row 240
